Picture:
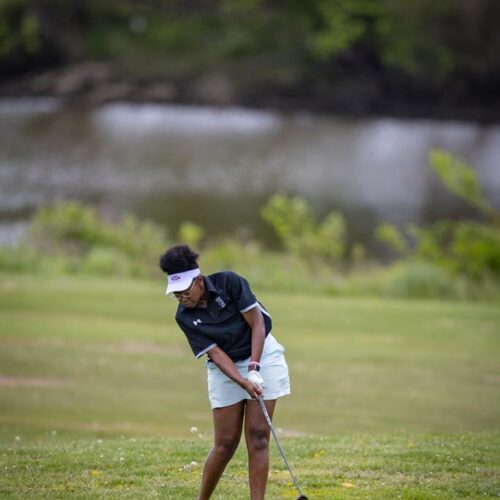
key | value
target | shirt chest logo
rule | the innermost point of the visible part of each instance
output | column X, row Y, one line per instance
column 220, row 302
column 196, row 322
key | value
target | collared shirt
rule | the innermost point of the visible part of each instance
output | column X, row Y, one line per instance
column 221, row 323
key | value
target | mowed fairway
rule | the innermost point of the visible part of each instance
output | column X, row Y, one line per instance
column 99, row 393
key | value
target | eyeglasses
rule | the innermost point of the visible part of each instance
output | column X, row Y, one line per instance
column 185, row 293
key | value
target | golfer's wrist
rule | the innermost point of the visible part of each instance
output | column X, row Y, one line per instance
column 253, row 365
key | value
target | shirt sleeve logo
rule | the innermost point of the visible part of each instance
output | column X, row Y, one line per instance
column 196, row 322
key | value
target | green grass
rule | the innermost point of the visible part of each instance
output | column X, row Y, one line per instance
column 99, row 391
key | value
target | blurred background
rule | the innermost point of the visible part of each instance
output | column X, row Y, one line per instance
column 201, row 111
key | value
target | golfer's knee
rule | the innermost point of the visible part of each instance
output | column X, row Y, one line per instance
column 258, row 439
column 226, row 446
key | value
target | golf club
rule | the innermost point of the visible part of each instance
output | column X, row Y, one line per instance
column 268, row 418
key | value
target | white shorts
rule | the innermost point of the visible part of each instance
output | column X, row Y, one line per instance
column 222, row 391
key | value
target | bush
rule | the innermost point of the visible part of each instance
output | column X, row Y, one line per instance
column 392, row 237
column 191, row 234
column 106, row 262
column 467, row 248
column 75, row 228
column 417, row 279
column 75, row 234
column 460, row 179
column 19, row 259
column 294, row 224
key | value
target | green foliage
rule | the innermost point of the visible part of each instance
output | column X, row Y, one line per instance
column 19, row 28
column 392, row 237
column 455, row 260
column 73, row 230
column 343, row 24
column 191, row 234
column 104, row 261
column 293, row 221
column 237, row 36
column 460, row 179
column 226, row 254
column 79, row 228
column 411, row 36
column 420, row 279
column 18, row 259
column 466, row 248
column 358, row 254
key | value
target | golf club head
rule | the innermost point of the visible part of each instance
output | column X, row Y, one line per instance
column 302, row 497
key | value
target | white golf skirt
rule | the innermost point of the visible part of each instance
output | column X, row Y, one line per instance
column 222, row 391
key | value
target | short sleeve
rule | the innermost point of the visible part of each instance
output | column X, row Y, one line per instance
column 241, row 293
column 198, row 342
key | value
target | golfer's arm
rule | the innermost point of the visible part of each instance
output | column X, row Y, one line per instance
column 226, row 365
column 254, row 318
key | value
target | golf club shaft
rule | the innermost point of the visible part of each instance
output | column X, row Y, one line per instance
column 268, row 418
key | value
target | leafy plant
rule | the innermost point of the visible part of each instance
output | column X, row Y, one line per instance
column 293, row 222
column 466, row 247
column 71, row 229
column 460, row 179
column 191, row 234
column 19, row 28
column 392, row 237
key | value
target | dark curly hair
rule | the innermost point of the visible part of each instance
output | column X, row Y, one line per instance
column 178, row 259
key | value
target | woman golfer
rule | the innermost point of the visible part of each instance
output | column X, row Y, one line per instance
column 221, row 318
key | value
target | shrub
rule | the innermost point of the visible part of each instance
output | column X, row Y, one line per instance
column 106, row 262
column 294, row 224
column 75, row 228
column 418, row 279
column 71, row 230
column 469, row 248
column 460, row 179
column 191, row 234
column 391, row 236
column 229, row 253
column 19, row 259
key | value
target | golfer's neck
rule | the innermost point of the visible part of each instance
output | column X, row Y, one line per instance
column 203, row 302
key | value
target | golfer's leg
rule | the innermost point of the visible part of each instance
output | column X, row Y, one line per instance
column 228, row 423
column 257, row 437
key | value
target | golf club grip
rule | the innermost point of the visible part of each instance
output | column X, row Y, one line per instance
column 276, row 440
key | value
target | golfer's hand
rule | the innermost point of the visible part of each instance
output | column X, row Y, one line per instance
column 256, row 382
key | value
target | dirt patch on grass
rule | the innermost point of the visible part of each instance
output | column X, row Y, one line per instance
column 492, row 379
column 9, row 381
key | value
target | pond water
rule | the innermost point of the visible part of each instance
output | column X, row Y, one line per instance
column 217, row 167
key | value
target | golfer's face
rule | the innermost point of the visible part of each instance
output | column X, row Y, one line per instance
column 191, row 296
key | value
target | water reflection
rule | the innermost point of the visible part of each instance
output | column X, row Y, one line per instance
column 217, row 167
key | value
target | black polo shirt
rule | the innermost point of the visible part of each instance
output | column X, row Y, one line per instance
column 221, row 323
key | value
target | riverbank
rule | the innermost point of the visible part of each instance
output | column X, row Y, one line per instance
column 355, row 92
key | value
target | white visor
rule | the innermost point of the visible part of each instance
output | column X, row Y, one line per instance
column 180, row 281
